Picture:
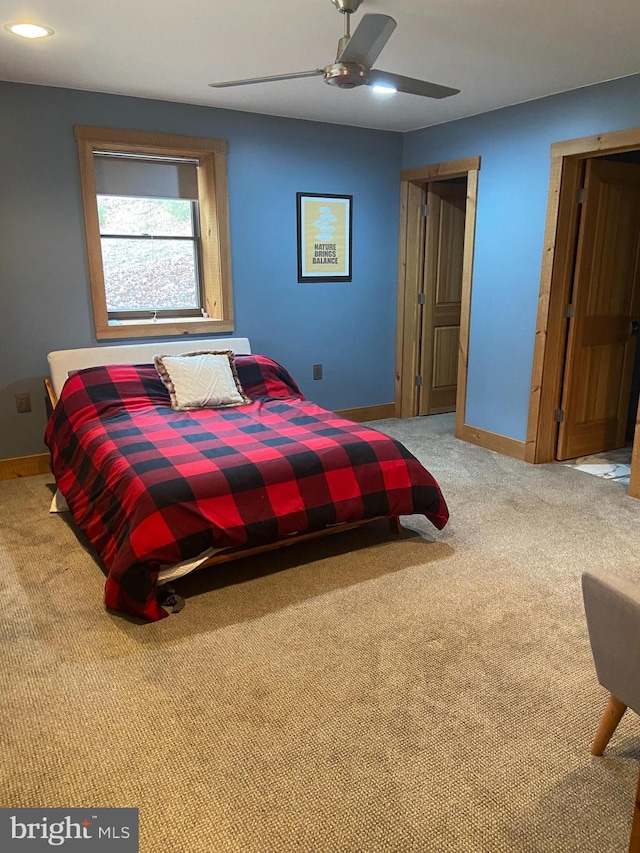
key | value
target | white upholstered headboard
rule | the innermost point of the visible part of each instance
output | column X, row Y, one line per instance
column 62, row 361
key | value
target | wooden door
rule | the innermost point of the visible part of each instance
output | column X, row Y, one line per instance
column 443, row 262
column 600, row 346
column 409, row 307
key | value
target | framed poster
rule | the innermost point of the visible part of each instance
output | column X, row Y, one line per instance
column 324, row 237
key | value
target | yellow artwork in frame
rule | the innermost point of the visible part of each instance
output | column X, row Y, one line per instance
column 324, row 237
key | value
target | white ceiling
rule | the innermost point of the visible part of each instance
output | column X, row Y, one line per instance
column 497, row 52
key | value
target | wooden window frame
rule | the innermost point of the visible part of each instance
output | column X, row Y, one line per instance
column 211, row 155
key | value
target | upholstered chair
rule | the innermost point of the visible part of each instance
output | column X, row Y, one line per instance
column 612, row 608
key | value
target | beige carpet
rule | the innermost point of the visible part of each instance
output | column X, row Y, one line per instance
column 430, row 693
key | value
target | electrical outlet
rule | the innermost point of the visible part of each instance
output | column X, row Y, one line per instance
column 23, row 402
column 317, row 371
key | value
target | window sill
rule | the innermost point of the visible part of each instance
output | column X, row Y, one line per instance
column 162, row 328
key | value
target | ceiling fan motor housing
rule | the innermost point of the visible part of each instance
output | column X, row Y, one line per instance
column 346, row 75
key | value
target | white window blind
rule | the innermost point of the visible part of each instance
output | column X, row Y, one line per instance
column 142, row 177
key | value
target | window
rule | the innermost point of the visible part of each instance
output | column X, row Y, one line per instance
column 156, row 219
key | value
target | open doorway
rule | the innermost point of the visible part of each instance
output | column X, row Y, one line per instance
column 437, row 227
column 583, row 382
column 603, row 311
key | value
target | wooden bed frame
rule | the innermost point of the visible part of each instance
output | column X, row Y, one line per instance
column 62, row 360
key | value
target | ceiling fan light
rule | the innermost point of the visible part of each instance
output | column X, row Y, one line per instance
column 29, row 31
column 382, row 89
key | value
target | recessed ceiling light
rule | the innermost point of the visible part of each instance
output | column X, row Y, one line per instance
column 29, row 31
column 384, row 90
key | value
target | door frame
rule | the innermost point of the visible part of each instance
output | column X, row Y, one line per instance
column 556, row 278
column 409, row 268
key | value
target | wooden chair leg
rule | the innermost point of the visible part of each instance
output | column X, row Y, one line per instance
column 613, row 713
column 394, row 524
column 634, row 841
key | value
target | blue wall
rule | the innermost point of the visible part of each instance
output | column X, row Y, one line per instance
column 514, row 144
column 350, row 328
column 44, row 286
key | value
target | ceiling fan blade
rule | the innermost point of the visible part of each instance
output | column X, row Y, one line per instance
column 410, row 85
column 272, row 79
column 368, row 39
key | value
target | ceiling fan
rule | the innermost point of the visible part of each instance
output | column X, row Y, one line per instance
column 354, row 60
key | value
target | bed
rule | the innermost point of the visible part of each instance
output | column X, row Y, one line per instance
column 159, row 491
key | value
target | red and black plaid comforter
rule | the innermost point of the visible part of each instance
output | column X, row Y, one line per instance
column 151, row 487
